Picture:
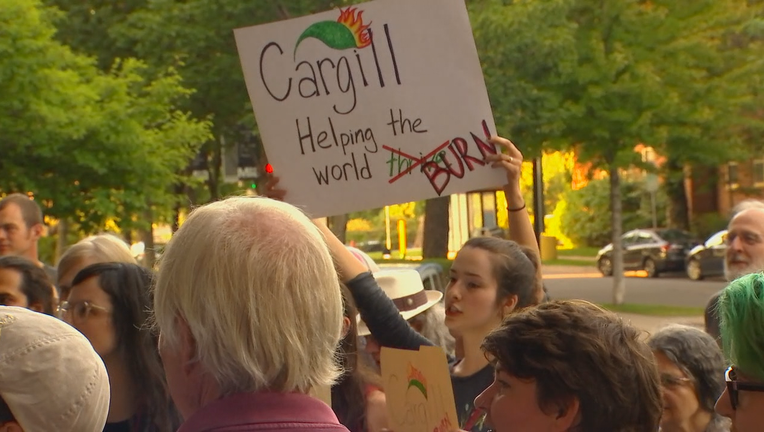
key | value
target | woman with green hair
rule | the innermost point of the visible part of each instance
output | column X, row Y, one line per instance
column 741, row 313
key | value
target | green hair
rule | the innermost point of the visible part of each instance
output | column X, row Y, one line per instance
column 741, row 313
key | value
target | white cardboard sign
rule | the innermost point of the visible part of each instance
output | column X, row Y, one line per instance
column 373, row 104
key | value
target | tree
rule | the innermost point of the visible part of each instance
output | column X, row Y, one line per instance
column 196, row 37
column 601, row 77
column 435, row 243
column 63, row 121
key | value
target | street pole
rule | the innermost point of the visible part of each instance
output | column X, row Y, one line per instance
column 388, row 240
column 653, row 205
column 538, row 198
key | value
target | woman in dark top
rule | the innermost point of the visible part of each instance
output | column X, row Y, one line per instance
column 357, row 398
column 110, row 304
column 489, row 279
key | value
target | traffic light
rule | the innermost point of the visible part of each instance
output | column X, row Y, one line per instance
column 269, row 168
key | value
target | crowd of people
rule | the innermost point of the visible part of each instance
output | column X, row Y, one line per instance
column 255, row 309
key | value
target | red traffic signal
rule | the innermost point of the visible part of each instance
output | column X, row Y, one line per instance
column 269, row 168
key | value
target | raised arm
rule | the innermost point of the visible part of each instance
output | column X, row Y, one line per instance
column 520, row 227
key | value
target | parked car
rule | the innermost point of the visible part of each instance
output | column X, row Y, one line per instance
column 652, row 250
column 707, row 260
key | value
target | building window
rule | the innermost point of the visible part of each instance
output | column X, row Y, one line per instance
column 758, row 172
column 732, row 175
column 648, row 155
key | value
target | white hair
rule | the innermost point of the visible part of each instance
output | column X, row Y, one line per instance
column 255, row 282
column 747, row 205
column 101, row 247
column 434, row 328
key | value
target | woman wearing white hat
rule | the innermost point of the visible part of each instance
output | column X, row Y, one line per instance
column 490, row 278
column 405, row 288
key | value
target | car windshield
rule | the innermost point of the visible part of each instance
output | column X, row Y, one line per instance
column 674, row 235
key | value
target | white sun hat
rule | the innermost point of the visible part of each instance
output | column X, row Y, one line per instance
column 406, row 290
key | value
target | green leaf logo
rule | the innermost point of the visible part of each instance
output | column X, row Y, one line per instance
column 348, row 31
column 417, row 380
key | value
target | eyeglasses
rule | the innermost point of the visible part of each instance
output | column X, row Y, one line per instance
column 80, row 311
column 671, row 381
column 734, row 386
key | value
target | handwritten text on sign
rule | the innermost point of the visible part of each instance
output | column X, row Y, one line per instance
column 373, row 104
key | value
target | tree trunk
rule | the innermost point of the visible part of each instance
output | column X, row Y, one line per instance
column 419, row 240
column 179, row 189
column 436, row 228
column 213, row 182
column 678, row 210
column 62, row 240
column 338, row 224
column 619, row 282
column 147, row 237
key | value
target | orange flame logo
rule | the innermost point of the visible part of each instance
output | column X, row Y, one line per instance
column 354, row 23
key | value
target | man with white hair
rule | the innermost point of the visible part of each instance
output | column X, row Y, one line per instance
column 745, row 252
column 51, row 379
column 249, row 309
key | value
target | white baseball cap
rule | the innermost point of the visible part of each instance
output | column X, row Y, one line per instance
column 50, row 376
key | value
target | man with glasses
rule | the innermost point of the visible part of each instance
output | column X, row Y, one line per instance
column 51, row 379
column 745, row 252
column 24, row 284
column 21, row 226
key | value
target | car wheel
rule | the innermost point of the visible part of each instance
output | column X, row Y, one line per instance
column 650, row 268
column 694, row 271
column 605, row 266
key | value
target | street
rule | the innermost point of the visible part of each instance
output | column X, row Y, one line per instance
column 670, row 289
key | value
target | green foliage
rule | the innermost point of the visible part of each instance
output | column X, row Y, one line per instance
column 587, row 219
column 707, row 224
column 92, row 146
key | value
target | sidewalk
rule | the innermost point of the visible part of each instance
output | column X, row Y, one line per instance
column 652, row 323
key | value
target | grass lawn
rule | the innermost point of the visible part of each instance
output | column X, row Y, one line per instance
column 569, row 262
column 410, row 253
column 582, row 252
column 655, row 310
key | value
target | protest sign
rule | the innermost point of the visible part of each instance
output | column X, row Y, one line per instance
column 373, row 104
column 418, row 390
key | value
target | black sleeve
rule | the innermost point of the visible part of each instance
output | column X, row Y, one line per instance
column 381, row 316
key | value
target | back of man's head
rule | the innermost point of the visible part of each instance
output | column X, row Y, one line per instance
column 30, row 210
column 254, row 280
column 34, row 283
column 51, row 379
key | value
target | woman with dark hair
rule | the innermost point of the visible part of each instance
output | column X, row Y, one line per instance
column 110, row 303
column 357, row 398
column 692, row 379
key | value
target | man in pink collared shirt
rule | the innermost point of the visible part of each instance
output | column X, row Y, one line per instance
column 249, row 308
